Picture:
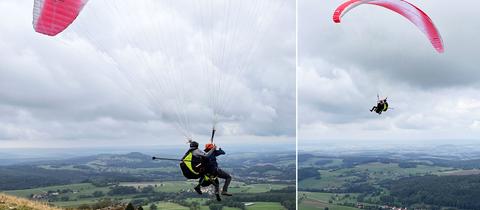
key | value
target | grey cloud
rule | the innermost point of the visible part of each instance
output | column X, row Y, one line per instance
column 64, row 89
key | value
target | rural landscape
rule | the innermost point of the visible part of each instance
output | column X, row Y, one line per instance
column 440, row 177
column 260, row 181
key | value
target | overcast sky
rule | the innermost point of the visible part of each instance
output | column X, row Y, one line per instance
column 435, row 97
column 66, row 91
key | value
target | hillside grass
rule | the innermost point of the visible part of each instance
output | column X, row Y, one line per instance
column 12, row 202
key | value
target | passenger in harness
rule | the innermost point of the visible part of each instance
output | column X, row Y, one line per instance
column 382, row 106
column 213, row 172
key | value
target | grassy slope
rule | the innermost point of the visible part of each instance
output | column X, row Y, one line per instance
column 12, row 202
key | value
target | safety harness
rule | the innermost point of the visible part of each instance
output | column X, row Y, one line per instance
column 191, row 166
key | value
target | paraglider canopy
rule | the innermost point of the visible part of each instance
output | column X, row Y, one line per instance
column 401, row 7
column 51, row 17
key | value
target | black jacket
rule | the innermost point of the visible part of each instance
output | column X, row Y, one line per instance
column 211, row 161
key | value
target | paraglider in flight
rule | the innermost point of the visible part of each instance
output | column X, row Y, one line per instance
column 51, row 17
column 152, row 58
column 382, row 106
column 202, row 165
column 406, row 9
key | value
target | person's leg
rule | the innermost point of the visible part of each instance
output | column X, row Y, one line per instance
column 373, row 108
column 379, row 109
column 224, row 175
column 198, row 188
column 216, row 185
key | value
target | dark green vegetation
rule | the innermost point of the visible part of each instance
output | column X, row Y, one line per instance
column 387, row 180
column 458, row 191
column 113, row 180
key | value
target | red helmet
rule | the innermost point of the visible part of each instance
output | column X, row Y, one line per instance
column 209, row 146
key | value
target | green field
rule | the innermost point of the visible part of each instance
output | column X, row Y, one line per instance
column 83, row 189
column 176, row 186
column 254, row 188
column 265, row 206
column 82, row 193
column 312, row 205
column 329, row 179
column 369, row 174
column 255, row 206
column 224, row 208
column 317, row 200
column 166, row 205
column 376, row 172
column 381, row 171
column 325, row 197
column 170, row 186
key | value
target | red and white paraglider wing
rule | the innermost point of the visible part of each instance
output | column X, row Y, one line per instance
column 407, row 10
column 345, row 7
column 51, row 17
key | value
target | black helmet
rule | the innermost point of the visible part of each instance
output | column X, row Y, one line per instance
column 194, row 144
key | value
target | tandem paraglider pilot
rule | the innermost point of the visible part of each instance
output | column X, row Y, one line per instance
column 382, row 106
column 202, row 165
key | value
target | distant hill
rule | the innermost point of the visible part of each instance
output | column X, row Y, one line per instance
column 102, row 169
column 11, row 202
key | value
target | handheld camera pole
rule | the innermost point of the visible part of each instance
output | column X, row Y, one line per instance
column 160, row 158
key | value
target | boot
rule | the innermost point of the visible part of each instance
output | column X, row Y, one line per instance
column 198, row 190
column 225, row 193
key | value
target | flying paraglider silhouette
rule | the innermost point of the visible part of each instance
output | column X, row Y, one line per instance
column 382, row 105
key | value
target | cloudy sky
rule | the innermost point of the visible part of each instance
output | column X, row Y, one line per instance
column 77, row 89
column 435, row 97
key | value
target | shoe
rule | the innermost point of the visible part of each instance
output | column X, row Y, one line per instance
column 225, row 193
column 198, row 190
column 218, row 197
